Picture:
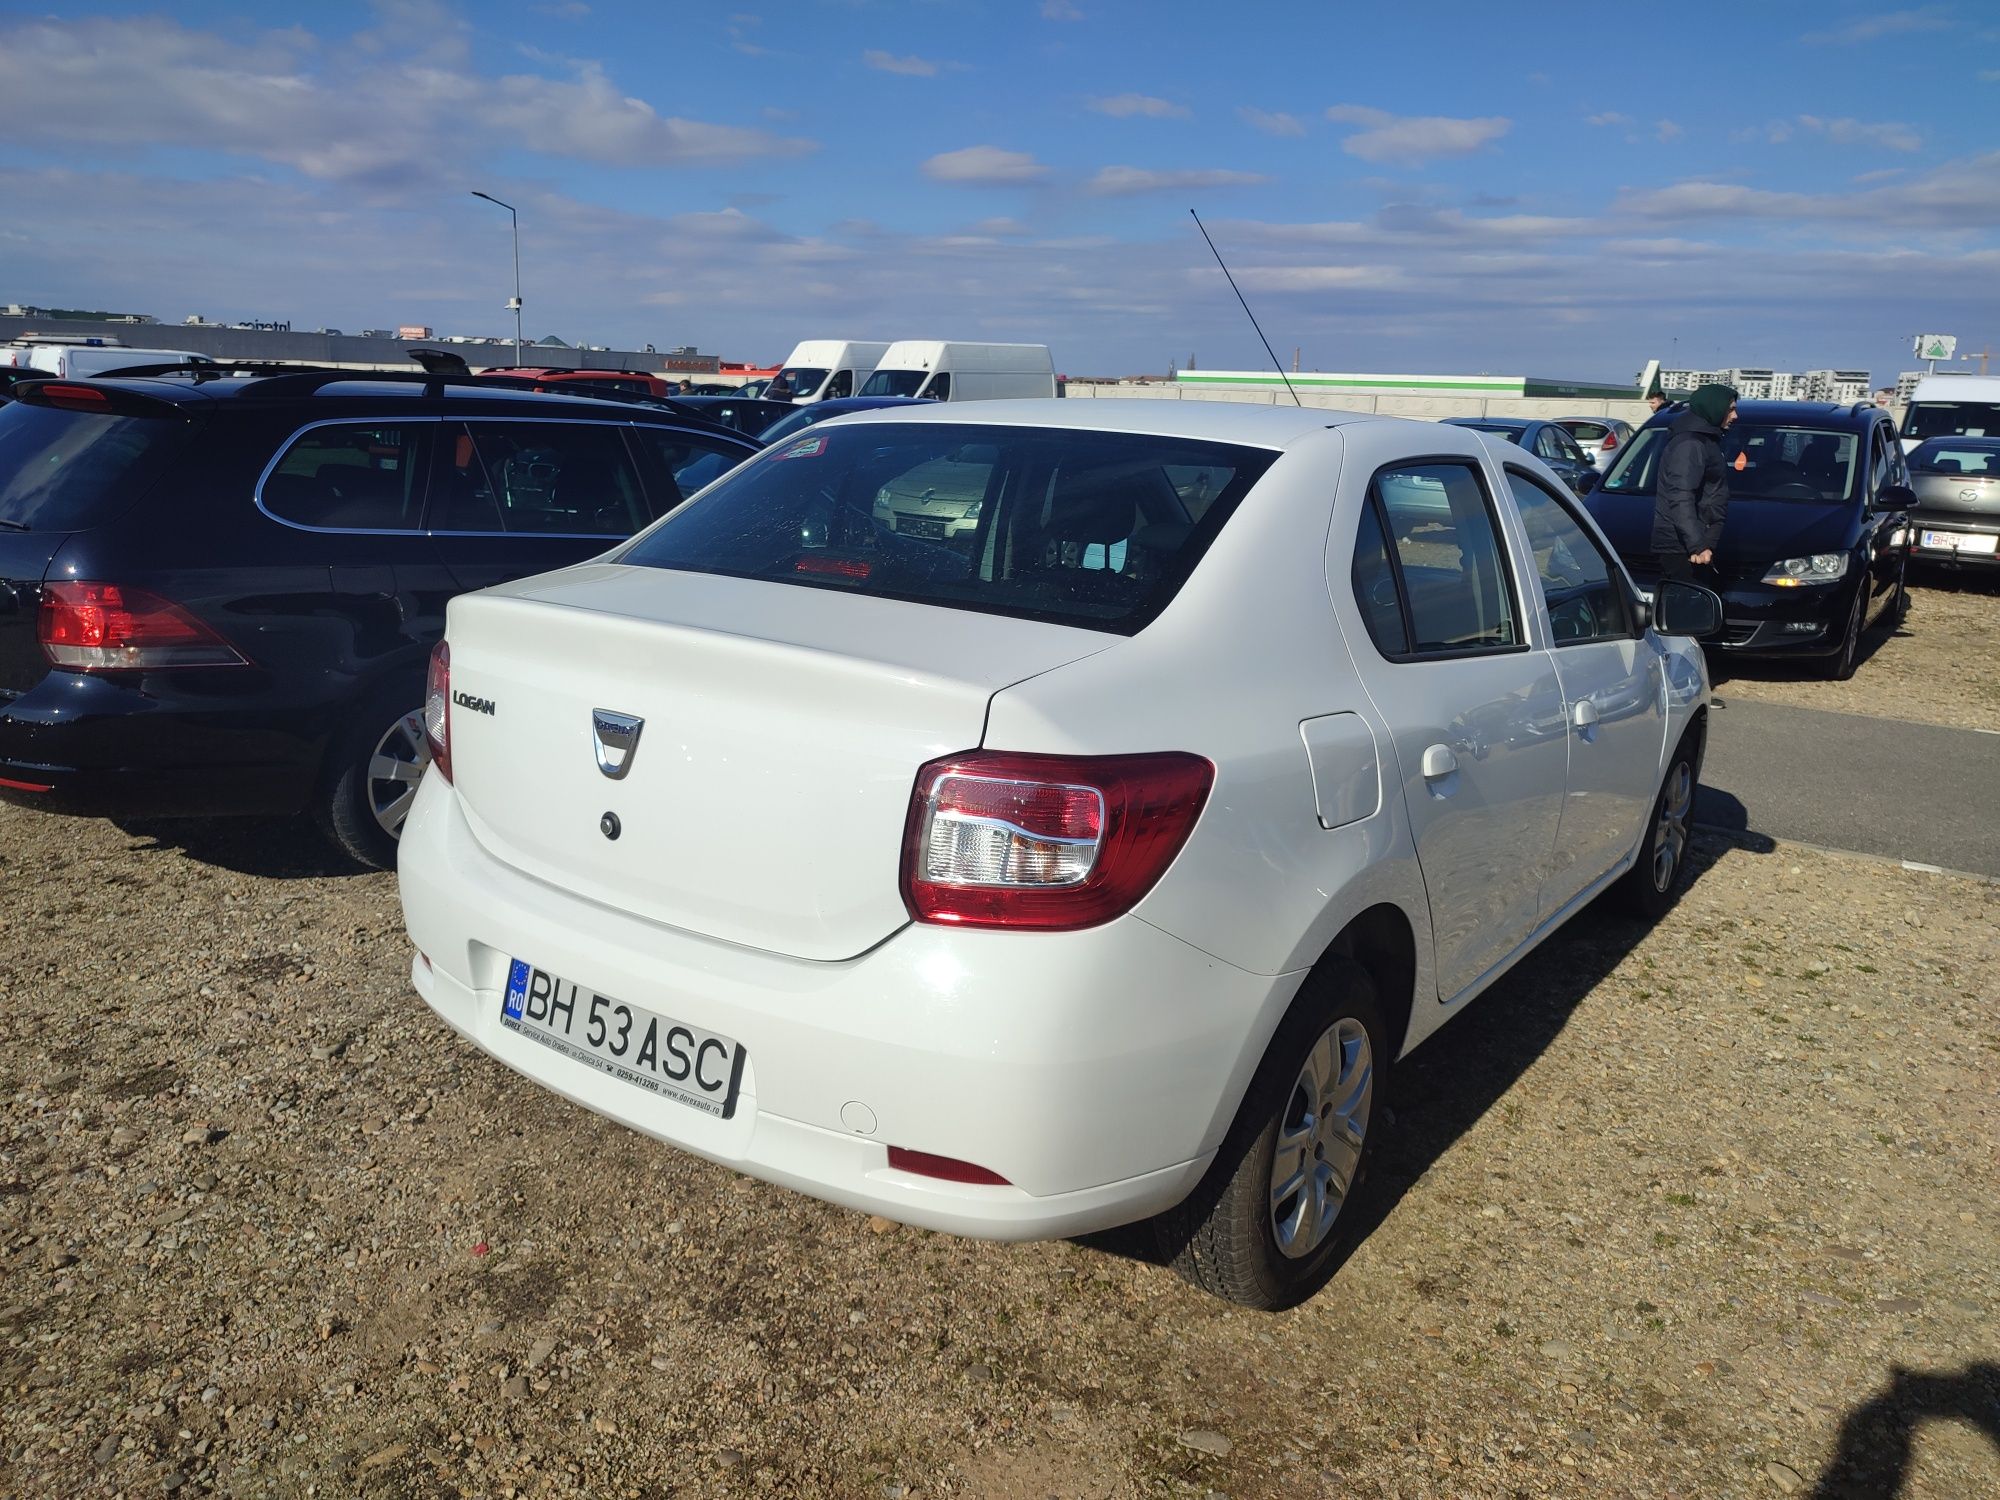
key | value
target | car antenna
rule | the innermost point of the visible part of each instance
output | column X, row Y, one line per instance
column 1246, row 307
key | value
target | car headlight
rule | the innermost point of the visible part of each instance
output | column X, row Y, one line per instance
column 1796, row 572
column 972, row 511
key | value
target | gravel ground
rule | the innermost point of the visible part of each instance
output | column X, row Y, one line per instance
column 1693, row 1212
column 1941, row 667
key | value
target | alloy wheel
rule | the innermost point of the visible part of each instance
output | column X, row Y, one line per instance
column 394, row 768
column 1670, row 834
column 1320, row 1137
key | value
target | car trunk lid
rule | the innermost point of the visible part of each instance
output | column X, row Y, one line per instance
column 764, row 800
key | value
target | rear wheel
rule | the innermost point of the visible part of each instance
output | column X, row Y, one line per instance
column 372, row 782
column 1650, row 886
column 1264, row 1225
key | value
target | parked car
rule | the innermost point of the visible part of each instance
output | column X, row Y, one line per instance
column 77, row 361
column 1598, row 437
column 941, row 370
column 1952, row 406
column 1956, row 515
column 749, row 415
column 1095, row 863
column 1546, row 440
column 217, row 595
column 825, row 369
column 1818, row 536
column 802, row 417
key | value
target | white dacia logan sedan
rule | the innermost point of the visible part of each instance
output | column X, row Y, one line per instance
column 1090, row 863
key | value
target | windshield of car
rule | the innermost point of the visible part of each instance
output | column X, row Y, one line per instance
column 793, row 422
column 803, row 379
column 1766, row 462
column 1979, row 457
column 893, row 383
column 63, row 470
column 1928, row 419
column 1096, row 529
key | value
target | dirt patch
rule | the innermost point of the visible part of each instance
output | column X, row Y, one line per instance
column 1703, row 1210
column 1941, row 666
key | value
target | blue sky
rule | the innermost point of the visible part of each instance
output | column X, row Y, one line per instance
column 1422, row 187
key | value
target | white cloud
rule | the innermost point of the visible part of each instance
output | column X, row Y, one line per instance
column 1000, row 227
column 1060, row 10
column 1882, row 174
column 984, row 165
column 1667, row 130
column 1888, row 134
column 1122, row 182
column 909, row 67
column 1271, row 123
column 1884, row 23
column 1958, row 195
column 1317, row 278
column 1414, row 139
column 1989, row 75
column 1124, row 106
column 1609, row 117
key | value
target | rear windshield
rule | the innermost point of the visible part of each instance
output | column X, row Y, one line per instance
column 894, row 383
column 69, row 470
column 1976, row 456
column 1809, row 465
column 1096, row 529
column 1928, row 419
column 1585, row 432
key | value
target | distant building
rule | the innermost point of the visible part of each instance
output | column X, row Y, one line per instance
column 1516, row 386
column 1756, row 384
column 1906, row 385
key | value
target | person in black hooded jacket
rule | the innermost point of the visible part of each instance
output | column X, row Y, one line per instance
column 1693, row 489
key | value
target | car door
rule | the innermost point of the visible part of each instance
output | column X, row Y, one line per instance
column 1887, row 531
column 1474, row 712
column 1559, row 451
column 1612, row 686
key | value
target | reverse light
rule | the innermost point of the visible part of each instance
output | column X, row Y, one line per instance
column 437, row 708
column 1049, row 842
column 1798, row 572
column 108, row 627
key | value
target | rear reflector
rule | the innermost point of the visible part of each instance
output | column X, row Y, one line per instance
column 437, row 708
column 109, row 627
column 1051, row 842
column 23, row 786
column 944, row 1168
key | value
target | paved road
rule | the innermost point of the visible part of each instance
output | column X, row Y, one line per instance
column 1846, row 781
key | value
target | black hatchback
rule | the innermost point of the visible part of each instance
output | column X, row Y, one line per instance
column 218, row 594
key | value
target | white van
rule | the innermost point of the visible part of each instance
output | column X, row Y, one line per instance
column 963, row 372
column 80, row 361
column 821, row 369
column 1952, row 406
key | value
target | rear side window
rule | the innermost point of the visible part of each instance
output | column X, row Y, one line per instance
column 349, row 478
column 538, row 479
column 1081, row 528
column 64, row 470
column 1451, row 574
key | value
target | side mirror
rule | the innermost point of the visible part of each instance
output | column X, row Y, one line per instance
column 1686, row 609
column 1896, row 497
column 1587, row 481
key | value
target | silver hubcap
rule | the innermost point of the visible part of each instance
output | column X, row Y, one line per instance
column 1671, row 835
column 394, row 770
column 1319, row 1137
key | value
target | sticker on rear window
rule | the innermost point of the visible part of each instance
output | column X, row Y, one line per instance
column 811, row 447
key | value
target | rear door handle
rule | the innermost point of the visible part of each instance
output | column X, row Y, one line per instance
column 1439, row 761
column 1584, row 715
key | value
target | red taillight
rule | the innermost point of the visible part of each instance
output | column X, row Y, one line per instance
column 108, row 627
column 24, row 786
column 834, row 567
column 437, row 708
column 1053, row 842
column 1610, row 441
column 946, row 1168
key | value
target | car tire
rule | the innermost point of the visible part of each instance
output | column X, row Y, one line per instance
column 1312, row 1115
column 360, row 808
column 1840, row 666
column 1649, row 889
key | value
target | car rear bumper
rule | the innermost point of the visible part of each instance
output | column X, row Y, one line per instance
column 100, row 746
column 1095, row 1071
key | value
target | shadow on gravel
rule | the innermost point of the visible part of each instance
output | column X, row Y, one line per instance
column 1873, row 1456
column 1445, row 1086
column 1720, row 812
column 271, row 848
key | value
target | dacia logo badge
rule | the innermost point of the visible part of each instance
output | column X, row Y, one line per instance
column 617, row 739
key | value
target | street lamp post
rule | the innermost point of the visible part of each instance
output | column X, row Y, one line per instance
column 516, row 302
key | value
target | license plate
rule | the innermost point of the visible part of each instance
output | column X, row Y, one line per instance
column 700, row 1069
column 1957, row 541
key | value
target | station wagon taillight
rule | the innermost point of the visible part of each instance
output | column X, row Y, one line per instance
column 1053, row 842
column 109, row 627
column 1609, row 441
column 437, row 708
